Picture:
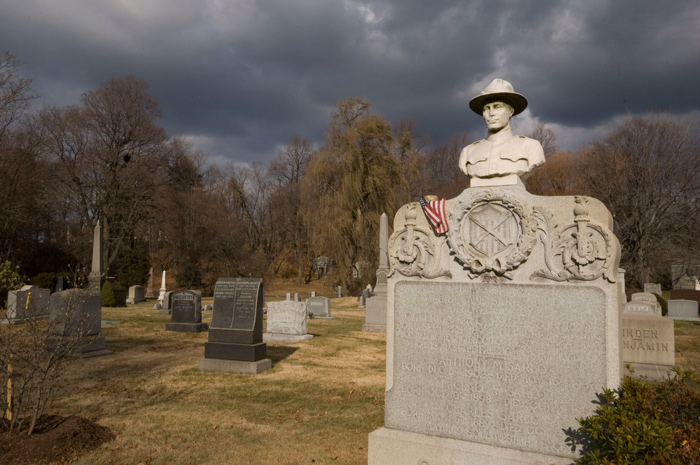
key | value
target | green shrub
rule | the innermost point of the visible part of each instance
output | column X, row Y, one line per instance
column 664, row 304
column 10, row 279
column 645, row 423
column 107, row 294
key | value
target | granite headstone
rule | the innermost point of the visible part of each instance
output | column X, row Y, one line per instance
column 235, row 334
column 75, row 319
column 28, row 302
column 186, row 312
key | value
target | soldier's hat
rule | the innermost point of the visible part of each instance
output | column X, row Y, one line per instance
column 498, row 91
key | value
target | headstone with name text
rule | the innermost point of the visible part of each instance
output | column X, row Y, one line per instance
column 235, row 334
column 286, row 321
column 648, row 345
column 186, row 312
column 501, row 331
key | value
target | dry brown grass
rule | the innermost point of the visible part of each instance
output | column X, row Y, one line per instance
column 316, row 406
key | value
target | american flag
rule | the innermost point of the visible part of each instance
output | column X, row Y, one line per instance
column 435, row 212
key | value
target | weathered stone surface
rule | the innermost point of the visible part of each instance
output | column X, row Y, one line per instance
column 77, row 314
column 286, row 321
column 648, row 345
column 136, row 294
column 28, row 302
column 642, row 303
column 320, row 307
column 683, row 309
column 501, row 332
column 652, row 288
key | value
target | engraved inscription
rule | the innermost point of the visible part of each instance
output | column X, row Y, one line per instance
column 507, row 365
column 235, row 304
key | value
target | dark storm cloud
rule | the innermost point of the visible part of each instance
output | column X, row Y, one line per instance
column 241, row 77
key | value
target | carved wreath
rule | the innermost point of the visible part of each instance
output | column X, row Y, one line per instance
column 495, row 234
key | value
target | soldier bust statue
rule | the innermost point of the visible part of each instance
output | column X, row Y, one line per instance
column 502, row 159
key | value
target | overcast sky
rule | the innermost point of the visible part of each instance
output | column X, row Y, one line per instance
column 241, row 77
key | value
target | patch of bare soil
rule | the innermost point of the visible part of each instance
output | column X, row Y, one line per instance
column 55, row 440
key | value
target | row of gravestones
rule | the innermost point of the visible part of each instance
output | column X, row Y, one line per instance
column 74, row 318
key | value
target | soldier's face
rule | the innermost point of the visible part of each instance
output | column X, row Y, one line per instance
column 497, row 115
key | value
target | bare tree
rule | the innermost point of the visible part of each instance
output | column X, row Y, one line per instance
column 647, row 172
column 547, row 138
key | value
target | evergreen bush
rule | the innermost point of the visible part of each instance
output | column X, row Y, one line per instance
column 107, row 294
column 645, row 423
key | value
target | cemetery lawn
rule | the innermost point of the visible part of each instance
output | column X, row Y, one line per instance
column 315, row 406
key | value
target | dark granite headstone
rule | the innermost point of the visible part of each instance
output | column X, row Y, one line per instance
column 235, row 333
column 187, row 312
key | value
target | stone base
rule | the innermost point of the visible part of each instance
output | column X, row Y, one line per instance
column 394, row 447
column 374, row 328
column 235, row 352
column 187, row 327
column 647, row 371
column 234, row 366
column 287, row 337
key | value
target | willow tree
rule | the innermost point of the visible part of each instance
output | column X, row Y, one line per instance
column 350, row 182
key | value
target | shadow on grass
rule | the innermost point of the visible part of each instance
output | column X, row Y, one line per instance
column 279, row 353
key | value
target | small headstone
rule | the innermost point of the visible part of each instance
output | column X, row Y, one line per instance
column 642, row 303
column 286, row 321
column 340, row 291
column 683, row 309
column 652, row 288
column 187, row 312
column 235, row 334
column 648, row 346
column 157, row 307
column 296, row 297
column 166, row 308
column 319, row 307
column 289, row 296
column 76, row 319
column 60, row 284
column 119, row 297
column 136, row 294
column 208, row 308
column 313, row 293
column 26, row 303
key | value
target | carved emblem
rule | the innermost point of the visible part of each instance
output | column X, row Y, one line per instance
column 495, row 233
column 415, row 251
column 581, row 251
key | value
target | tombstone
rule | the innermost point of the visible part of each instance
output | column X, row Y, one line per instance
column 313, row 293
column 322, row 266
column 340, row 291
column 648, row 345
column 319, row 307
column 286, row 321
column 136, row 294
column 26, row 303
column 652, row 288
column 166, row 304
column 501, row 331
column 119, row 296
column 680, row 309
column 75, row 320
column 157, row 307
column 376, row 303
column 685, row 294
column 296, row 297
column 187, row 312
column 235, row 334
column 161, row 293
column 208, row 308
